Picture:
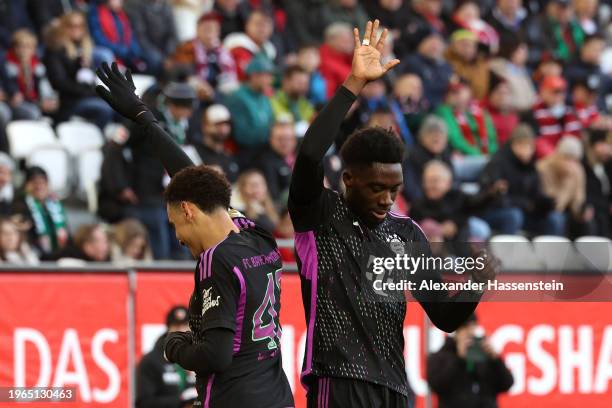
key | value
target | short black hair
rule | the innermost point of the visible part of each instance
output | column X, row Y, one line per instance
column 372, row 145
column 291, row 70
column 202, row 185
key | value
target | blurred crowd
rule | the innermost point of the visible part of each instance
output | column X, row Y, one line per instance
column 503, row 105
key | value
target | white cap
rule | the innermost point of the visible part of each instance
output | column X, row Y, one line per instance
column 217, row 113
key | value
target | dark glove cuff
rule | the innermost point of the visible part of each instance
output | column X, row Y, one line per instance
column 145, row 117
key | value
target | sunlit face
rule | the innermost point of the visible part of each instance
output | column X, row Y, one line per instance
column 592, row 51
column 283, row 139
column 409, row 86
column 602, row 151
column 255, row 188
column 523, row 150
column 5, row 176
column 501, row 97
column 391, row 5
column 25, row 49
column 209, row 32
column 38, row 187
column 180, row 112
column 434, row 141
column 432, row 47
column 309, row 59
column 509, row 7
column 259, row 28
column 297, row 85
column 97, row 247
column 552, row 97
column 9, row 237
column 466, row 48
column 437, row 181
column 460, row 98
column 76, row 28
column 468, row 12
column 135, row 248
column 343, row 42
column 219, row 132
column 371, row 190
column 115, row 5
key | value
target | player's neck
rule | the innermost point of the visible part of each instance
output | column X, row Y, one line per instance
column 218, row 230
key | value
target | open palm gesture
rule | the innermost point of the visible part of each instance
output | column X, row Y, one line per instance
column 366, row 57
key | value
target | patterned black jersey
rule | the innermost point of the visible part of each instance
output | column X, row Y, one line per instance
column 237, row 287
column 350, row 334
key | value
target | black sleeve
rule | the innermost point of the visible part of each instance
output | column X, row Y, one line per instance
column 306, row 189
column 445, row 312
column 148, row 379
column 60, row 80
column 212, row 355
column 500, row 375
column 172, row 157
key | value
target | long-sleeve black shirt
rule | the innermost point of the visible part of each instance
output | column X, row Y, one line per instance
column 352, row 333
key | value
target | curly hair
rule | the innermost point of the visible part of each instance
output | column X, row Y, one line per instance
column 202, row 185
column 372, row 145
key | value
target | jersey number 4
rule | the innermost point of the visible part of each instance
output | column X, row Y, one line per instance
column 268, row 331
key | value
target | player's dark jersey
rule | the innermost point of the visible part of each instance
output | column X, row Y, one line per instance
column 238, row 288
column 350, row 333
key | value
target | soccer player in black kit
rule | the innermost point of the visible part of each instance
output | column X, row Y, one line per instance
column 234, row 340
column 354, row 348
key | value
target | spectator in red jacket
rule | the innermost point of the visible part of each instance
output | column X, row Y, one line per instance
column 499, row 104
column 255, row 40
column 551, row 118
column 33, row 93
column 337, row 55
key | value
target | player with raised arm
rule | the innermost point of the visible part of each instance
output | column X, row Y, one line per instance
column 234, row 342
column 355, row 345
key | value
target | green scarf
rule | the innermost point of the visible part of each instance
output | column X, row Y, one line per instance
column 47, row 223
column 562, row 49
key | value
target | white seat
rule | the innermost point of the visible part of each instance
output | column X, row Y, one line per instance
column 515, row 253
column 596, row 252
column 142, row 83
column 88, row 168
column 55, row 161
column 77, row 137
column 25, row 136
column 557, row 253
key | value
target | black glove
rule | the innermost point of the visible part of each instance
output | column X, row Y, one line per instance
column 173, row 342
column 121, row 95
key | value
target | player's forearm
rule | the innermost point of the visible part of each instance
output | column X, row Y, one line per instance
column 170, row 154
column 448, row 316
column 323, row 130
column 213, row 355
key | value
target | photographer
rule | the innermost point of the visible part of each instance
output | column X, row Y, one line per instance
column 466, row 372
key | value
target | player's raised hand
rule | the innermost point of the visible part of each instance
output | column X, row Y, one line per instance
column 120, row 94
column 367, row 65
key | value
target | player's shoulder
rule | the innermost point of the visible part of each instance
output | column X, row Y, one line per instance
column 406, row 225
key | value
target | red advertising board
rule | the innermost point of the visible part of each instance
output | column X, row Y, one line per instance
column 72, row 330
column 66, row 330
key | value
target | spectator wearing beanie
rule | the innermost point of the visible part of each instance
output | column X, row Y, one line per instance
column 211, row 65
column 38, row 206
column 429, row 64
column 507, row 18
column 467, row 16
column 250, row 105
column 551, row 117
column 511, row 64
column 523, row 206
column 468, row 63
